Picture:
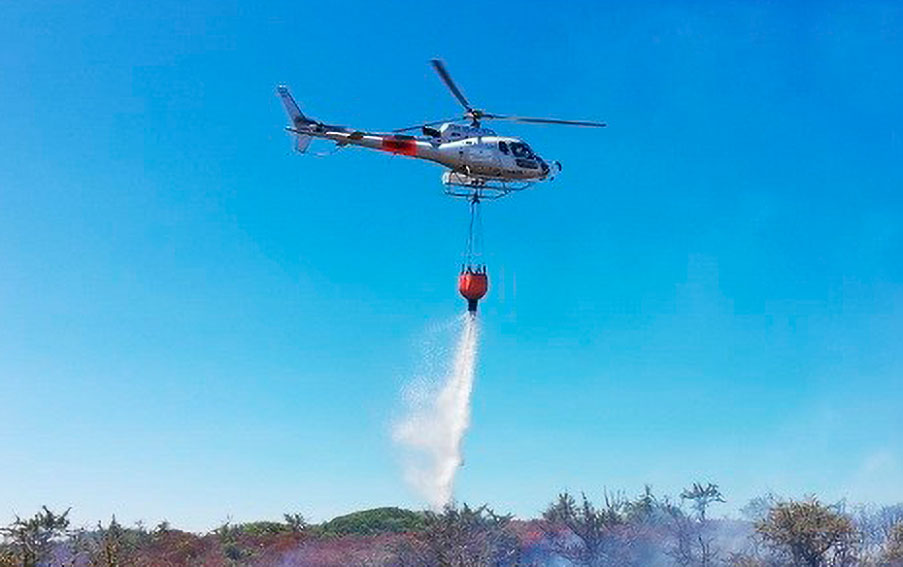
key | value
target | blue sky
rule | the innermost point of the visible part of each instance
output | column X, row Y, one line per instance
column 197, row 324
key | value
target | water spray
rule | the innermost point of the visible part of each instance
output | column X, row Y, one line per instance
column 437, row 419
column 438, row 415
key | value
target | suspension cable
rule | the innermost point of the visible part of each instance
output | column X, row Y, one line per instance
column 473, row 249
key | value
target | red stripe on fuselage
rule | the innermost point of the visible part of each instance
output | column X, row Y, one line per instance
column 402, row 146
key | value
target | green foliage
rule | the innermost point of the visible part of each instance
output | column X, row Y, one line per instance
column 29, row 541
column 744, row 560
column 588, row 535
column 109, row 546
column 702, row 497
column 810, row 534
column 645, row 508
column 263, row 528
column 758, row 508
column 692, row 539
column 229, row 531
column 893, row 554
column 162, row 528
column 295, row 522
column 617, row 531
column 234, row 542
column 462, row 537
column 374, row 522
column 229, row 535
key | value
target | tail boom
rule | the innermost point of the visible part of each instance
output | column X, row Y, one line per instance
column 305, row 129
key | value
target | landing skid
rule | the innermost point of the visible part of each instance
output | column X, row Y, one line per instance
column 465, row 186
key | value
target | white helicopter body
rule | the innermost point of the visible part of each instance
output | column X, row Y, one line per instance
column 476, row 157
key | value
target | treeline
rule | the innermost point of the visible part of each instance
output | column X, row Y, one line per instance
column 574, row 531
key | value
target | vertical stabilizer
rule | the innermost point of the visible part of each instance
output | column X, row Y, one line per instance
column 299, row 121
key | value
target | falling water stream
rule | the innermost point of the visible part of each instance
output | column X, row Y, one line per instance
column 433, row 428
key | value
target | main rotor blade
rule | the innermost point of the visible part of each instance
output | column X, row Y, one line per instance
column 439, row 66
column 546, row 121
column 433, row 123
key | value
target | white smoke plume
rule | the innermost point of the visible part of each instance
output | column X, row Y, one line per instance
column 438, row 414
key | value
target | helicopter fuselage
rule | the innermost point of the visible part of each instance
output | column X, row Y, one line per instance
column 476, row 152
column 478, row 160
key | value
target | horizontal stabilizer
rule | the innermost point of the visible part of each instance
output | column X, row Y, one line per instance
column 302, row 143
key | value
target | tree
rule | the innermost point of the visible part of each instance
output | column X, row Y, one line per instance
column 230, row 544
column 693, row 540
column 162, row 528
column 586, row 535
column 875, row 527
column 683, row 531
column 375, row 521
column 295, row 522
column 645, row 509
column 645, row 529
column 893, row 552
column 810, row 534
column 692, row 543
column 758, row 508
column 701, row 497
column 30, row 540
column 461, row 537
column 108, row 546
column 261, row 528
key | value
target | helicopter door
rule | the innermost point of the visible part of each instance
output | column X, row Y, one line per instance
column 481, row 157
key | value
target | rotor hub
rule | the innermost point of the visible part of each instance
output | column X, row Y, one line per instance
column 474, row 115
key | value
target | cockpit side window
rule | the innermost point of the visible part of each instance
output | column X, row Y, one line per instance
column 521, row 150
column 503, row 147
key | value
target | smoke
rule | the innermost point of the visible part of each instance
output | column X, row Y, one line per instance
column 437, row 416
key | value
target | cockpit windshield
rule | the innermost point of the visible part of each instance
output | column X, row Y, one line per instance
column 521, row 150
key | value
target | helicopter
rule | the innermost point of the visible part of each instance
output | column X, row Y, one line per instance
column 481, row 164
